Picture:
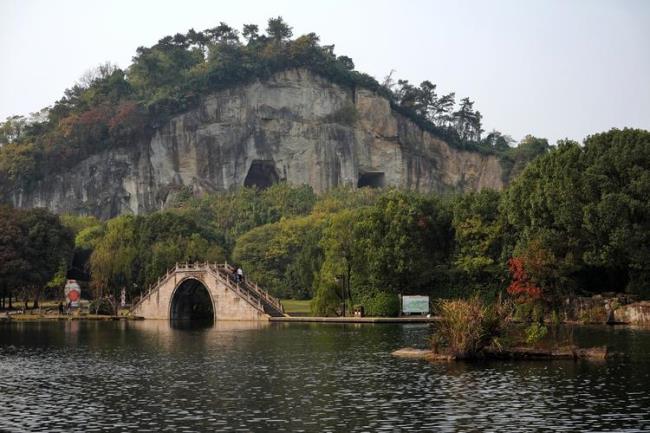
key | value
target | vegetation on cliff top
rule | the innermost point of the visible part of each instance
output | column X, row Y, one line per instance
column 110, row 107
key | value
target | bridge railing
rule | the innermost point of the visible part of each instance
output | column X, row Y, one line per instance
column 153, row 286
column 252, row 286
column 256, row 302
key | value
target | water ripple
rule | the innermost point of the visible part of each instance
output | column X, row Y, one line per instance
column 147, row 376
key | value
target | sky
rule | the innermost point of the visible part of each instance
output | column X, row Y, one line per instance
column 554, row 68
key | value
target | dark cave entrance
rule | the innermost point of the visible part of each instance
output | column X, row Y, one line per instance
column 192, row 302
column 372, row 179
column 261, row 175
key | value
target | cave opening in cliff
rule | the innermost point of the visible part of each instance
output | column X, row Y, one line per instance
column 373, row 179
column 261, row 175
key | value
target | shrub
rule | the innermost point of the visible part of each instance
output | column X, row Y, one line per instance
column 468, row 326
column 555, row 318
column 102, row 306
column 537, row 314
column 535, row 332
column 529, row 312
column 523, row 312
column 382, row 304
column 346, row 115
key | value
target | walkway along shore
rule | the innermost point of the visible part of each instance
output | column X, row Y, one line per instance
column 403, row 319
column 288, row 319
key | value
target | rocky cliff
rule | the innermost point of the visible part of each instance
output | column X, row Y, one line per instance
column 295, row 127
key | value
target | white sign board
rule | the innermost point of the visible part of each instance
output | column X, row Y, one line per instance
column 415, row 304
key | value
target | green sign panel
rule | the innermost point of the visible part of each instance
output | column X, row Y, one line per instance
column 415, row 304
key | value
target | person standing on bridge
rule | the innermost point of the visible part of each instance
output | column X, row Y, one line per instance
column 240, row 274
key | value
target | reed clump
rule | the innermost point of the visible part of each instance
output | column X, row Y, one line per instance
column 468, row 326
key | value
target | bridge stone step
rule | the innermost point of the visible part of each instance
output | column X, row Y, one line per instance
column 270, row 305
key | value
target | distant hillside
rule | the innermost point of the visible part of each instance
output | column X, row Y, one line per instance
column 97, row 150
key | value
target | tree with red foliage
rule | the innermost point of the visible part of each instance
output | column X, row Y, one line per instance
column 127, row 121
column 521, row 284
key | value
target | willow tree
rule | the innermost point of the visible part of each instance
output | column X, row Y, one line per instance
column 112, row 261
column 341, row 249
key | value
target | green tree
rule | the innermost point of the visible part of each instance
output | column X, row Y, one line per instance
column 112, row 260
column 341, row 249
column 478, row 235
column 12, row 129
column 278, row 30
column 250, row 32
column 543, row 207
column 468, row 121
column 515, row 159
column 586, row 207
column 233, row 213
column 404, row 236
column 282, row 257
column 49, row 246
column 13, row 264
column 34, row 247
column 616, row 212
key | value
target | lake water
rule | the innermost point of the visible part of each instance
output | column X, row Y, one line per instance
column 150, row 376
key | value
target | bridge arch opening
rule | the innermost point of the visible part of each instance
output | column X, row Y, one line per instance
column 192, row 302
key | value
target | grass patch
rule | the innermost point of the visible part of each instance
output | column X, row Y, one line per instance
column 294, row 306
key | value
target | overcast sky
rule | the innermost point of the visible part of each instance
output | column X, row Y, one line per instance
column 553, row 69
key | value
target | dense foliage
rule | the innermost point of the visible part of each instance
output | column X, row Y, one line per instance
column 35, row 248
column 133, row 252
column 576, row 220
column 582, row 215
column 110, row 107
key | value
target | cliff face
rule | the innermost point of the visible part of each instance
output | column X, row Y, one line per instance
column 296, row 127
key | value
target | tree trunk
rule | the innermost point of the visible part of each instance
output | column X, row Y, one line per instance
column 348, row 284
column 37, row 295
column 115, row 304
column 99, row 299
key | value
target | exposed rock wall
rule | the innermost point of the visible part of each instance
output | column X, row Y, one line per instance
column 611, row 308
column 637, row 313
column 296, row 125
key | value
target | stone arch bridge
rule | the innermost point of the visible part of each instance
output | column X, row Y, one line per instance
column 206, row 291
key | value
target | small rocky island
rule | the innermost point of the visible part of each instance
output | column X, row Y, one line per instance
column 472, row 329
